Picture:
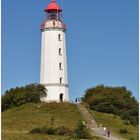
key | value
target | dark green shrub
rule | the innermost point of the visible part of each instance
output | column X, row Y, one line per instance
column 44, row 130
column 50, row 131
column 64, row 131
column 82, row 132
column 31, row 93
column 131, row 138
column 115, row 100
column 123, row 131
column 36, row 131
column 126, row 122
column 133, row 120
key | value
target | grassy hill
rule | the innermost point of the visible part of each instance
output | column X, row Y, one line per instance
column 21, row 120
column 17, row 122
column 29, row 116
column 115, row 123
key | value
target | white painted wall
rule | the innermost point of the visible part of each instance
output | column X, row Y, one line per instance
column 50, row 59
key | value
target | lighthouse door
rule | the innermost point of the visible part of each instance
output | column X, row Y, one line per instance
column 61, row 97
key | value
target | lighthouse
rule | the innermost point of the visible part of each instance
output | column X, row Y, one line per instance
column 53, row 73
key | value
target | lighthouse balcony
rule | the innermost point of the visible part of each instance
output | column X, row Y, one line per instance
column 53, row 24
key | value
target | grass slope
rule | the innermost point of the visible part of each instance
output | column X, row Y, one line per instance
column 21, row 120
column 17, row 122
column 115, row 124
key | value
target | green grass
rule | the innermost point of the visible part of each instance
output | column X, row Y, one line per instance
column 115, row 123
column 29, row 116
column 26, row 117
column 13, row 136
column 18, row 121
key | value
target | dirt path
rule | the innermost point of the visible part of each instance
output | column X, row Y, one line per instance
column 92, row 124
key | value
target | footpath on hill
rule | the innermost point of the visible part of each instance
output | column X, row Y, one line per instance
column 91, row 123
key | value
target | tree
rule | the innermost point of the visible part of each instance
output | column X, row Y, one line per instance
column 115, row 100
column 21, row 95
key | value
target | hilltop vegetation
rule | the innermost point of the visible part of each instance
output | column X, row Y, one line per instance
column 115, row 100
column 21, row 95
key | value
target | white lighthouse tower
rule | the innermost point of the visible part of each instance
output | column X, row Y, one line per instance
column 53, row 55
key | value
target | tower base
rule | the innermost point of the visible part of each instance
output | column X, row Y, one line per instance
column 56, row 94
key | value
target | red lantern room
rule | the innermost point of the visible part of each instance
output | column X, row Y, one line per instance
column 53, row 19
column 53, row 11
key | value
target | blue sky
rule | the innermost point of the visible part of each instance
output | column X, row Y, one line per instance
column 102, row 43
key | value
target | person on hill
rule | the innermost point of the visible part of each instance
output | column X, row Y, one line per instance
column 61, row 98
column 104, row 128
column 108, row 132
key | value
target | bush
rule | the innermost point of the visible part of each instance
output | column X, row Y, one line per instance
column 133, row 120
column 82, row 132
column 64, row 131
column 36, row 131
column 52, row 131
column 44, row 130
column 131, row 138
column 126, row 122
column 115, row 100
column 29, row 94
column 123, row 131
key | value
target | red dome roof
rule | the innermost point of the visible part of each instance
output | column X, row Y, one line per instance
column 53, row 6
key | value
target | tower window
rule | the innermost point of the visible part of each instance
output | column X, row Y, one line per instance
column 60, row 51
column 59, row 37
column 60, row 80
column 54, row 23
column 60, row 66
